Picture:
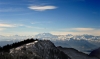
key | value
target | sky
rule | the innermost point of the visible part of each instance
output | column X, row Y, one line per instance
column 58, row 17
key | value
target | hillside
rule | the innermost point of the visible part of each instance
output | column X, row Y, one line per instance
column 36, row 49
column 75, row 54
column 95, row 53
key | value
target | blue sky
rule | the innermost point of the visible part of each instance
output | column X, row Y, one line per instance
column 30, row 17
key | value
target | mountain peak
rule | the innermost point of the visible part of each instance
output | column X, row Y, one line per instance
column 40, row 44
column 43, row 49
column 45, row 34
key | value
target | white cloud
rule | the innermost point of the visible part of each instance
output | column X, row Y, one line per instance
column 78, row 31
column 83, row 29
column 42, row 22
column 6, row 25
column 28, row 26
column 42, row 8
column 21, row 33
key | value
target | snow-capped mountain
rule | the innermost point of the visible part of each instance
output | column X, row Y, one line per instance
column 67, row 37
column 49, row 36
column 84, row 43
column 45, row 36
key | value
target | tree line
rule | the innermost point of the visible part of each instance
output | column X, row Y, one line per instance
column 7, row 47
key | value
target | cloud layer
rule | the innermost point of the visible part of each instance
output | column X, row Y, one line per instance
column 42, row 8
column 78, row 31
column 83, row 29
column 6, row 25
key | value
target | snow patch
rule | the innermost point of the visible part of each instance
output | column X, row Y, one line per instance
column 32, row 43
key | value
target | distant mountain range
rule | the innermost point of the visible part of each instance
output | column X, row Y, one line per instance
column 85, row 43
column 52, row 37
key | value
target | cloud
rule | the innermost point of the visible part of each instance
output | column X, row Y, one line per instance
column 27, row 26
column 21, row 33
column 83, row 29
column 6, row 25
column 42, row 22
column 42, row 8
column 77, row 31
column 96, row 33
